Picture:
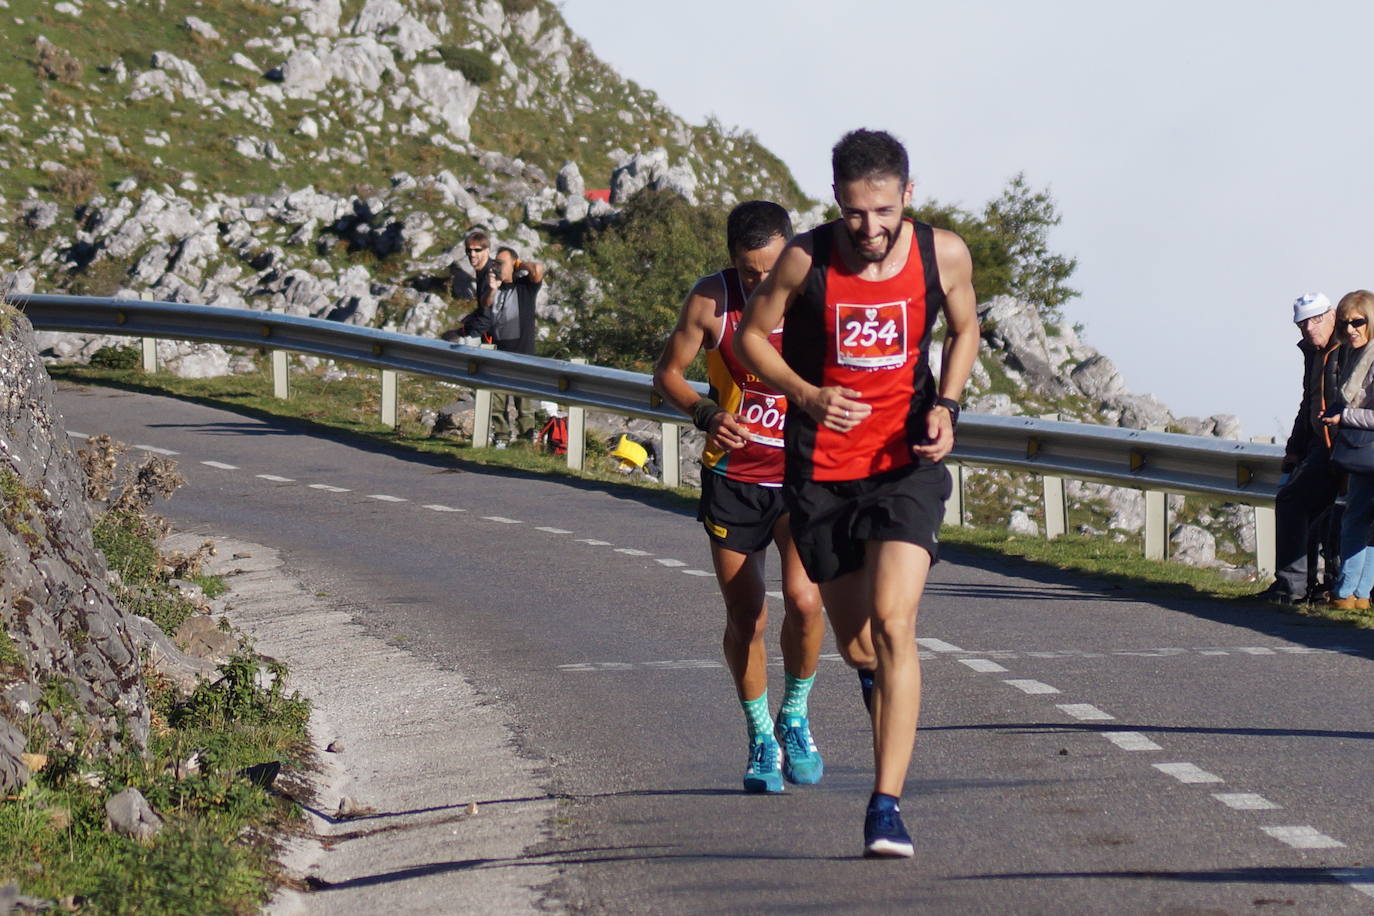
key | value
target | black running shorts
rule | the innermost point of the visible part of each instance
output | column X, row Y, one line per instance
column 738, row 516
column 831, row 520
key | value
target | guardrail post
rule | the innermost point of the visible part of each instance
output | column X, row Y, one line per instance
column 150, row 354
column 954, row 506
column 577, row 429
column 281, row 385
column 1156, row 525
column 389, row 398
column 1266, row 541
column 1056, row 506
column 672, row 470
column 481, row 418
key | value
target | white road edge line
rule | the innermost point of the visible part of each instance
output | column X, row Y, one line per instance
column 1131, row 741
column 987, row 666
column 1245, row 801
column 1361, row 879
column 1026, row 685
column 1303, row 837
column 1187, row 772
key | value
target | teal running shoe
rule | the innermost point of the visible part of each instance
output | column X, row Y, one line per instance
column 765, row 766
column 802, row 763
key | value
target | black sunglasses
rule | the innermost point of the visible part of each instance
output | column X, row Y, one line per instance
column 1352, row 322
column 474, row 250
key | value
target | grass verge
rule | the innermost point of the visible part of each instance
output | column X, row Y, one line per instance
column 208, row 772
column 352, row 405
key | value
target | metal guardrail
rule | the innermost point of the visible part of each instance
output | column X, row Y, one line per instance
column 1155, row 462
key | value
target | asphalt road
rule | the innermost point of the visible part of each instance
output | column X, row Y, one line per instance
column 1083, row 749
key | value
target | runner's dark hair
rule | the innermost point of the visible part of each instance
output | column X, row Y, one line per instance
column 753, row 224
column 867, row 153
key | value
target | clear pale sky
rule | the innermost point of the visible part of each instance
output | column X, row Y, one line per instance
column 1211, row 160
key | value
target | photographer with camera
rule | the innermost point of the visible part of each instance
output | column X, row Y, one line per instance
column 511, row 300
column 476, row 286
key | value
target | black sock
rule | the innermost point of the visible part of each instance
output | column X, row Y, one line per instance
column 866, row 685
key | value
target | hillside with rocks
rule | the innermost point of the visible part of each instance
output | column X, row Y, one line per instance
column 324, row 158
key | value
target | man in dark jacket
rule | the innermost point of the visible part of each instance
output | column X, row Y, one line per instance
column 1310, row 488
column 511, row 301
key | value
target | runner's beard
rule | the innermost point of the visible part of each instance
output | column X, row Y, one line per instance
column 868, row 254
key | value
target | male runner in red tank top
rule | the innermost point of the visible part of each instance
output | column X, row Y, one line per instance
column 741, row 500
column 869, row 429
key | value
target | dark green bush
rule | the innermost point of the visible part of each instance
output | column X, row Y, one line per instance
column 475, row 65
column 126, row 357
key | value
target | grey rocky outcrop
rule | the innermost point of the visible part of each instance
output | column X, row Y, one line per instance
column 68, row 641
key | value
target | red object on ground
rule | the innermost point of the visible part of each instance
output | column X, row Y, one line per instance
column 598, row 194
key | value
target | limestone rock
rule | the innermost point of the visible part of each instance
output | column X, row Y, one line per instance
column 130, row 814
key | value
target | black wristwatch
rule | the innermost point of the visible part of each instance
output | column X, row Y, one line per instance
column 952, row 406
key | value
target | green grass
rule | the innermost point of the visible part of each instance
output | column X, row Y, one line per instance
column 214, row 854
column 352, row 406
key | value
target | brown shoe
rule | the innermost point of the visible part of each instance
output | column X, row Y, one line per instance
column 1346, row 604
column 1361, row 604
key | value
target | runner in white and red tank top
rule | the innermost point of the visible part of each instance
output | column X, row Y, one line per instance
column 869, row 428
column 741, row 500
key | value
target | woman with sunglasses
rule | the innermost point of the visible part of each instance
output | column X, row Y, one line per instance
column 1350, row 387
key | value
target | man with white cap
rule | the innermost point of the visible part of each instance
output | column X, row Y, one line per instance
column 1310, row 488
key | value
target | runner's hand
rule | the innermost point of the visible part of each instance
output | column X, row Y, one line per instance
column 939, row 432
column 837, row 408
column 726, row 432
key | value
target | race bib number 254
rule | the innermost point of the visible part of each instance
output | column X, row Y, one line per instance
column 870, row 336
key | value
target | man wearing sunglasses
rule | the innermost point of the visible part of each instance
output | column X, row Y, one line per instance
column 1310, row 488
column 476, row 286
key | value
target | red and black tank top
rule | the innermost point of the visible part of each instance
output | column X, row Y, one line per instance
column 761, row 410
column 872, row 336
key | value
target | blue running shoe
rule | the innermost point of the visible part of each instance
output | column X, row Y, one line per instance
column 885, row 836
column 765, row 766
column 801, row 762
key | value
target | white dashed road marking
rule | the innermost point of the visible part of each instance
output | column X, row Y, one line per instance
column 1085, row 712
column 549, row 530
column 936, row 645
column 1361, row 879
column 981, row 664
column 1131, row 741
column 166, row 451
column 76, row 435
column 1303, row 837
column 275, row 479
column 1187, row 772
column 387, row 499
column 594, row 542
column 328, row 488
column 502, row 519
column 1245, row 801
column 673, row 564
column 698, row 572
column 1029, row 686
column 439, row 507
column 221, row 465
column 632, row 552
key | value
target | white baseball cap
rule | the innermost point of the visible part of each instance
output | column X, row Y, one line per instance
column 1310, row 305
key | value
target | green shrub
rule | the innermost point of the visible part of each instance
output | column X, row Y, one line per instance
column 475, row 65
column 125, row 357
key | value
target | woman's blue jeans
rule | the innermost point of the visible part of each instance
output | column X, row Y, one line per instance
column 1357, row 557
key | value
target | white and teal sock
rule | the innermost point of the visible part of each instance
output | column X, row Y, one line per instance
column 756, row 712
column 795, row 695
